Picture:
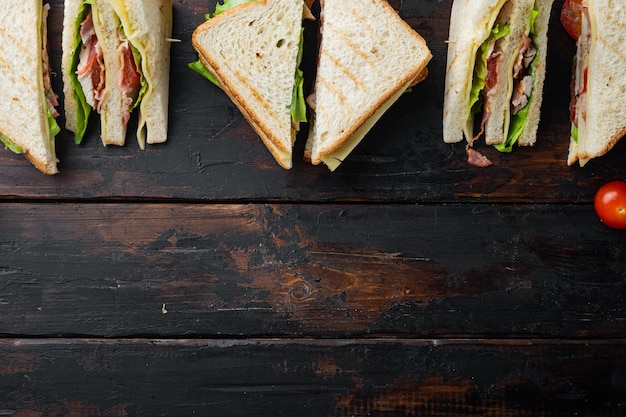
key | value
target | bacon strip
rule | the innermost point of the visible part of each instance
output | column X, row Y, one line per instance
column 522, row 62
column 494, row 57
column 579, row 80
column 129, row 78
column 51, row 97
column 90, row 69
column 522, row 81
column 476, row 158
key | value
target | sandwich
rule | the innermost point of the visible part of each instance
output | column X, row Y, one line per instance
column 116, row 58
column 495, row 73
column 597, row 112
column 28, row 104
column 252, row 50
column 368, row 57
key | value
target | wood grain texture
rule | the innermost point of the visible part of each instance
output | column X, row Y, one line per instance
column 200, row 278
column 299, row 377
column 310, row 270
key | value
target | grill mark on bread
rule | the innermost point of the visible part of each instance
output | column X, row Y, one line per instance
column 622, row 27
column 13, row 40
column 336, row 92
column 268, row 33
column 605, row 126
column 347, row 72
column 255, row 92
column 340, row 34
column 451, row 64
column 361, row 44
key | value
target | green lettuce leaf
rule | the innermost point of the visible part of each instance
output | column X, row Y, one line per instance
column 518, row 120
column 54, row 126
column 9, row 144
column 480, row 69
column 12, row 146
column 143, row 83
column 298, row 103
column 199, row 67
column 83, row 108
column 574, row 133
column 228, row 4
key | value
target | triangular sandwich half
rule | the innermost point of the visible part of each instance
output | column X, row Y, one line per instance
column 495, row 71
column 115, row 60
column 368, row 57
column 27, row 101
column 252, row 52
column 598, row 106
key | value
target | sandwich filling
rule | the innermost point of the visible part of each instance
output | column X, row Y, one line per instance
column 130, row 83
column 485, row 81
column 88, row 71
column 575, row 17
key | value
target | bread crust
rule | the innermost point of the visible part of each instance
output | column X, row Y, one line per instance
column 71, row 9
column 464, row 42
column 280, row 155
column 246, row 85
column 23, row 106
column 471, row 22
column 605, row 123
column 529, row 134
column 351, row 51
column 148, row 26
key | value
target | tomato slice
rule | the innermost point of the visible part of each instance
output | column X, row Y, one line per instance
column 130, row 77
column 571, row 17
column 610, row 204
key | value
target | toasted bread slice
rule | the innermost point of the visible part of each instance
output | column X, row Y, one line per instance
column 464, row 43
column 516, row 15
column 529, row 134
column 148, row 26
column 471, row 22
column 368, row 57
column 252, row 51
column 23, row 106
column 107, row 23
column 605, row 122
column 70, row 14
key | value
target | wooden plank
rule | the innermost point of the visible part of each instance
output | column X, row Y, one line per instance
column 312, row 270
column 379, row 377
column 213, row 154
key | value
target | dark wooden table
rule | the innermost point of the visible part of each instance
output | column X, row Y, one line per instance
column 197, row 278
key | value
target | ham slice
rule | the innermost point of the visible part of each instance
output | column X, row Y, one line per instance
column 476, row 158
column 494, row 57
column 129, row 78
column 51, row 97
column 522, row 81
column 579, row 80
column 90, row 69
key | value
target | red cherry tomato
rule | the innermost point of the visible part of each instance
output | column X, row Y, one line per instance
column 610, row 204
column 571, row 17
